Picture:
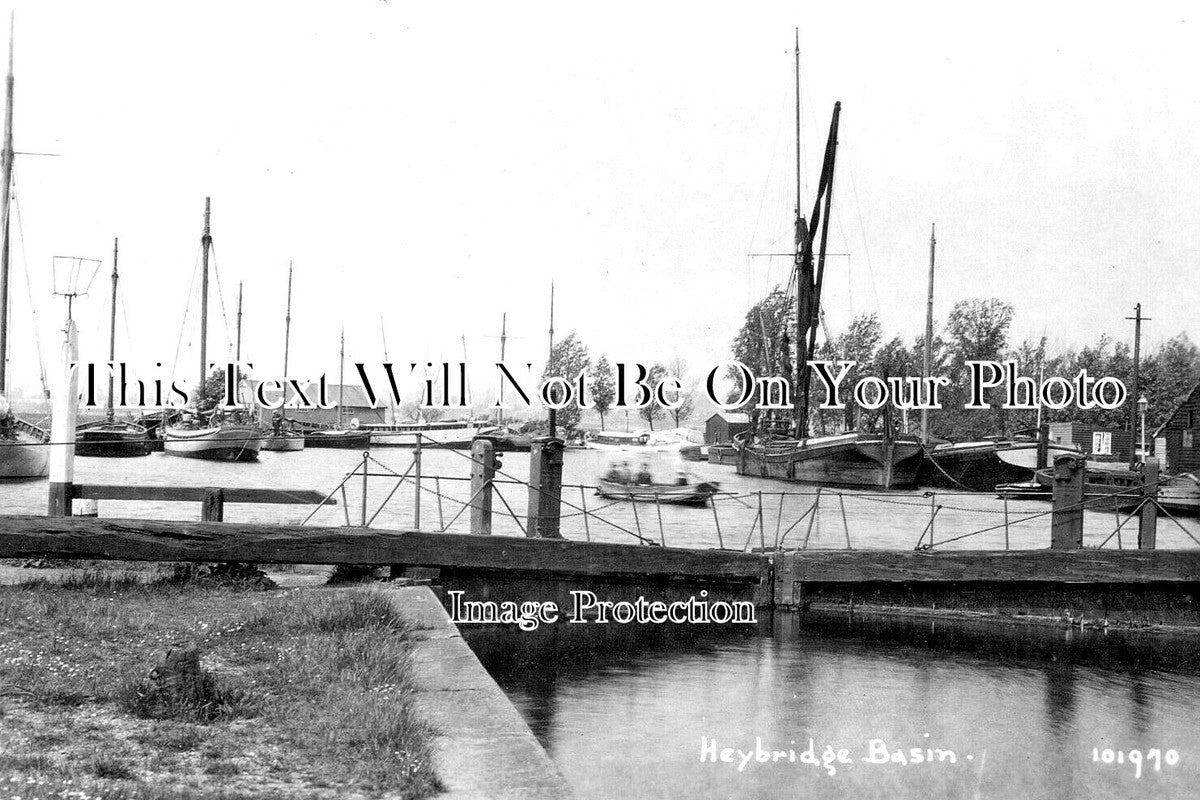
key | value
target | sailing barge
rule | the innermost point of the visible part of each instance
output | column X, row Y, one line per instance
column 877, row 460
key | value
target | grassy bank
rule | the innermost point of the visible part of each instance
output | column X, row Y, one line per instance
column 304, row 693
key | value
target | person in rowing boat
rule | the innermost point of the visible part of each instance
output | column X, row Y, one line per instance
column 644, row 476
column 614, row 474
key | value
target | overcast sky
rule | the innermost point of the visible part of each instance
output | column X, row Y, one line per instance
column 439, row 166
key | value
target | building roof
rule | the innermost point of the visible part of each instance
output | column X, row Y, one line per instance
column 1176, row 409
column 733, row 417
column 355, row 396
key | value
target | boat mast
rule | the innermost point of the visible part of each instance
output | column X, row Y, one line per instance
column 6, row 163
column 503, row 340
column 112, row 336
column 928, row 364
column 803, row 280
column 341, row 378
column 391, row 397
column 205, row 243
column 287, row 322
column 237, row 352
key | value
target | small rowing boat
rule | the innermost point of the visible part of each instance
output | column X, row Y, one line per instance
column 687, row 494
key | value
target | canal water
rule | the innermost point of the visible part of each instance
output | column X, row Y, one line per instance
column 1025, row 712
column 1004, row 712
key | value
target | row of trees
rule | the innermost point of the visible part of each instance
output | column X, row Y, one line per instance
column 976, row 329
column 570, row 355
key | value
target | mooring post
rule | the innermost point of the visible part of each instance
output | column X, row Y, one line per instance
column 366, row 467
column 483, row 472
column 1066, row 527
column 417, row 478
column 1043, row 445
column 545, row 488
column 62, row 428
column 212, row 508
column 1148, row 522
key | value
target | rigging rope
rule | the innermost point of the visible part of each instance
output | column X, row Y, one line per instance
column 37, row 336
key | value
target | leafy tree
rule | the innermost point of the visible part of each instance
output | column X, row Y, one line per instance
column 653, row 410
column 857, row 343
column 687, row 396
column 764, row 336
column 567, row 358
column 212, row 392
column 977, row 330
column 604, row 388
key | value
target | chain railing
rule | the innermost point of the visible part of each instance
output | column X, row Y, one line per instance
column 749, row 520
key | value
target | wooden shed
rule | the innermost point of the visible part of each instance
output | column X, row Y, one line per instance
column 1096, row 442
column 721, row 426
column 1178, row 439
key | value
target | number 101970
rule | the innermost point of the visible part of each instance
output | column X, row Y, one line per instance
column 1154, row 758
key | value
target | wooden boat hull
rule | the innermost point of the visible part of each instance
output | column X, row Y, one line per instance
column 723, row 454
column 284, row 443
column 24, row 458
column 695, row 494
column 852, row 459
column 984, row 466
column 345, row 440
column 1180, row 494
column 1105, row 488
column 694, row 452
column 223, row 443
column 458, row 438
column 508, row 442
column 112, row 440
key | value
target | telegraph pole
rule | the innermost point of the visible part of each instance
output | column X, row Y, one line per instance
column 1138, row 319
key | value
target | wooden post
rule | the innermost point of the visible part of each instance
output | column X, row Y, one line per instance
column 1043, row 445
column 212, row 509
column 417, row 481
column 1148, row 523
column 483, row 472
column 1066, row 527
column 62, row 428
column 545, row 489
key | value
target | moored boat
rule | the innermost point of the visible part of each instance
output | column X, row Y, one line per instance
column 225, row 442
column 506, row 441
column 329, row 437
column 985, row 465
column 642, row 441
column 848, row 459
column 215, row 440
column 1106, row 485
column 284, row 442
column 457, row 434
column 112, row 439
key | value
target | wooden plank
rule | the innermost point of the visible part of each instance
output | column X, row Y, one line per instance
column 158, row 540
column 195, row 494
column 1056, row 566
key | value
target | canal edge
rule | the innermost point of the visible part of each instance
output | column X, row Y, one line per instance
column 483, row 749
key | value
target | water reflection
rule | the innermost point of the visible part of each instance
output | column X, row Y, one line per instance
column 1021, row 708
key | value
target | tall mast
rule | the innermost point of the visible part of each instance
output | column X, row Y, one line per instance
column 341, row 378
column 112, row 335
column 551, row 319
column 803, row 281
column 287, row 322
column 799, row 221
column 6, row 162
column 205, row 243
column 237, row 353
column 928, row 365
column 503, row 340
column 391, row 397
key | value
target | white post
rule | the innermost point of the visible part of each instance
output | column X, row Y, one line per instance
column 65, row 407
